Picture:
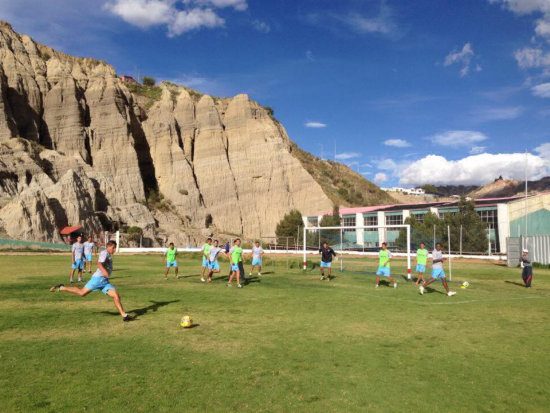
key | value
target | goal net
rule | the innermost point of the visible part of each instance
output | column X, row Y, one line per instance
column 357, row 247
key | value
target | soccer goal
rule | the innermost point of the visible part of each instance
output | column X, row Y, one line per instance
column 354, row 244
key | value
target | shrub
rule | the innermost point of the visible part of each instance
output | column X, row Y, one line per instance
column 183, row 192
column 46, row 56
column 148, row 81
column 134, row 233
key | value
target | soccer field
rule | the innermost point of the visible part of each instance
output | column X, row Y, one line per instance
column 287, row 342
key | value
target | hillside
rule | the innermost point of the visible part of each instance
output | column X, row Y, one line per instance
column 79, row 146
column 510, row 187
column 343, row 186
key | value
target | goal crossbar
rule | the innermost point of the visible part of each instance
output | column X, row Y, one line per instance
column 347, row 228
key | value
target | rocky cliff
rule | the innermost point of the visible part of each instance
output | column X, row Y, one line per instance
column 77, row 146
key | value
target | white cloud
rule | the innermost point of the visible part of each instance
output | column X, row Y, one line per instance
column 544, row 151
column 457, row 138
column 347, row 155
column 364, row 24
column 462, row 57
column 502, row 113
column 240, row 5
column 473, row 170
column 261, row 26
column 309, row 56
column 477, row 150
column 142, row 13
column 380, row 178
column 530, row 57
column 194, row 19
column 315, row 125
column 398, row 143
column 542, row 90
column 179, row 16
column 523, row 7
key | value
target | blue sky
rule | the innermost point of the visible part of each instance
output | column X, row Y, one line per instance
column 407, row 92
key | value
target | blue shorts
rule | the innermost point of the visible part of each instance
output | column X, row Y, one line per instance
column 438, row 273
column 383, row 271
column 234, row 267
column 204, row 262
column 78, row 264
column 171, row 264
column 97, row 282
column 326, row 264
column 88, row 257
column 214, row 265
column 257, row 261
column 420, row 268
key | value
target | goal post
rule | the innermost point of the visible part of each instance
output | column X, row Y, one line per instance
column 356, row 240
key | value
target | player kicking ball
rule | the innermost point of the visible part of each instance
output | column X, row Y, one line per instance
column 437, row 271
column 170, row 259
column 213, row 264
column 257, row 253
column 326, row 260
column 100, row 281
column 421, row 259
column 384, row 258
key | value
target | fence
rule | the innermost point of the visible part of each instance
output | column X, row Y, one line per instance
column 538, row 246
column 18, row 244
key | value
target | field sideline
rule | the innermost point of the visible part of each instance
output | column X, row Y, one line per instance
column 285, row 342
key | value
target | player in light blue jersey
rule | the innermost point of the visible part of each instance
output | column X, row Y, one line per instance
column 77, row 259
column 88, row 254
column 100, row 281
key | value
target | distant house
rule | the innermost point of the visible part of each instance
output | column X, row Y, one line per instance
column 70, row 233
column 408, row 191
column 128, row 79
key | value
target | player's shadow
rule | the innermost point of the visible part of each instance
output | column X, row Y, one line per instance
column 386, row 283
column 515, row 283
column 252, row 279
column 144, row 310
column 188, row 276
column 430, row 290
column 268, row 272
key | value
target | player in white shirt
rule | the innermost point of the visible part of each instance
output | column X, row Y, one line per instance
column 257, row 253
column 88, row 254
column 100, row 281
column 437, row 271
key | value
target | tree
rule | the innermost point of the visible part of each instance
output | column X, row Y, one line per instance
column 148, row 81
column 331, row 236
column 474, row 231
column 134, row 234
column 288, row 225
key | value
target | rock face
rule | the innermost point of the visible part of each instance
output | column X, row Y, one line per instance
column 77, row 147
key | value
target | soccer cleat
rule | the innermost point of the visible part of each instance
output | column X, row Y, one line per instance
column 394, row 285
column 322, row 277
column 56, row 288
column 421, row 289
column 80, row 280
column 259, row 273
column 209, row 280
column 127, row 317
column 451, row 293
column 376, row 286
column 239, row 286
column 228, row 285
column 203, row 280
column 250, row 274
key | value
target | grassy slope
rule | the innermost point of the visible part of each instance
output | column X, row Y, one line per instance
column 341, row 184
column 287, row 343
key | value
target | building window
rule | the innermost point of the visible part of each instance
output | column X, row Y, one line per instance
column 348, row 222
column 418, row 217
column 371, row 221
column 394, row 219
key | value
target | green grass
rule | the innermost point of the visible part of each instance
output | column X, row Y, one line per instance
column 287, row 343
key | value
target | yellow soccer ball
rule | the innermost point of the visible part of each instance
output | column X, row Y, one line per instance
column 186, row 321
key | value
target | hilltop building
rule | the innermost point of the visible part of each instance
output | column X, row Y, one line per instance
column 505, row 217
